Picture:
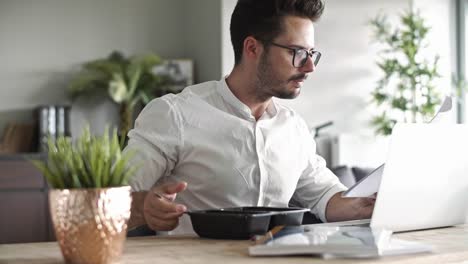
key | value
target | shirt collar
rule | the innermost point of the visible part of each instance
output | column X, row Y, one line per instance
column 230, row 98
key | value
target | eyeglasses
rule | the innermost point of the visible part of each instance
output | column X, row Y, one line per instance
column 300, row 55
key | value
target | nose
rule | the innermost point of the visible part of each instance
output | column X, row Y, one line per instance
column 309, row 66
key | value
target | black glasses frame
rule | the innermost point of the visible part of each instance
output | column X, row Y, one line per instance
column 309, row 53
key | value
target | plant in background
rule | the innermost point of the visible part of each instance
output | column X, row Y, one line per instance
column 406, row 92
column 92, row 162
column 127, row 81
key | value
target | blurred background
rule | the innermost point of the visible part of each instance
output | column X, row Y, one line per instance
column 45, row 45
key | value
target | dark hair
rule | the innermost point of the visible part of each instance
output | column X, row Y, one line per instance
column 262, row 19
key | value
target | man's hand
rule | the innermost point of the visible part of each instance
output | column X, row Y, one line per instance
column 160, row 212
column 343, row 209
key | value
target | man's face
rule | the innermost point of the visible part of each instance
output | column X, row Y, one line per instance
column 276, row 75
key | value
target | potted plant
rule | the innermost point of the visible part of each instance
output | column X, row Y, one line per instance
column 89, row 198
column 127, row 81
column 406, row 92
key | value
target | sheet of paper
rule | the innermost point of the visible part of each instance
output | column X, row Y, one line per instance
column 369, row 185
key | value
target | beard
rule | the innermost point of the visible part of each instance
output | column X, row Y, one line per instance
column 268, row 85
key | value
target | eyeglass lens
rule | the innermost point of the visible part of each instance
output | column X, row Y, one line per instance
column 301, row 55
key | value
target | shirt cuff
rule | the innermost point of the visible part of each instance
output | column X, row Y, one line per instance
column 321, row 207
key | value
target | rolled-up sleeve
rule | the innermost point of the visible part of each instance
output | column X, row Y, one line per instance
column 317, row 183
column 155, row 139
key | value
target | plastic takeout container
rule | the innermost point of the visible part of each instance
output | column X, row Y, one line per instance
column 243, row 222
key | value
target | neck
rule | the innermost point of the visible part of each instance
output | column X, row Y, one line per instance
column 242, row 83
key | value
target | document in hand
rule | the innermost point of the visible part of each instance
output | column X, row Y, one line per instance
column 369, row 185
column 331, row 242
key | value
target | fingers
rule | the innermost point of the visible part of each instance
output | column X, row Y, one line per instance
column 367, row 207
column 368, row 201
column 160, row 212
column 366, row 212
column 164, row 222
column 170, row 190
column 173, row 188
column 162, row 204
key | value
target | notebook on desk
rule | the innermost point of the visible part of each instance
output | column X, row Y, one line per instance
column 425, row 179
column 332, row 242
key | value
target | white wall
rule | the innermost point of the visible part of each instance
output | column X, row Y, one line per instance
column 227, row 52
column 440, row 17
column 44, row 42
column 202, row 37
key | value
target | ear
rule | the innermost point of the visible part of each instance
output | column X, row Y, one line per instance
column 252, row 48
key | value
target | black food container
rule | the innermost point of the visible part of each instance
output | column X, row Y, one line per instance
column 243, row 222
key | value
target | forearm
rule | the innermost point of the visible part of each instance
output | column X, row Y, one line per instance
column 137, row 217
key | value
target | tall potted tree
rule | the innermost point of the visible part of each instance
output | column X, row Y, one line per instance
column 90, row 198
column 406, row 92
column 127, row 81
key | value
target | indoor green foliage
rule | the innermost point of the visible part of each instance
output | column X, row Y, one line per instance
column 92, row 162
column 127, row 81
column 406, row 92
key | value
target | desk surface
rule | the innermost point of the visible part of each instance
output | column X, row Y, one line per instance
column 451, row 246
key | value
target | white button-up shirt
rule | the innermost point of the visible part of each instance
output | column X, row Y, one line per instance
column 208, row 138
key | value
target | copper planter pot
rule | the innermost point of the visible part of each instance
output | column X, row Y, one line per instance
column 90, row 224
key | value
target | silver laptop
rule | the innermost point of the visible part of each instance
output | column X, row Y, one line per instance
column 425, row 180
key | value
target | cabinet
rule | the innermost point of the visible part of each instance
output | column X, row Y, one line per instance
column 24, row 212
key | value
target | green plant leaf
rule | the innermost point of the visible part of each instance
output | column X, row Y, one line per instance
column 104, row 66
column 118, row 77
column 118, row 89
column 87, row 83
column 134, row 72
column 90, row 162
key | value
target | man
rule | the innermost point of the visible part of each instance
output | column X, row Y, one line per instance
column 228, row 143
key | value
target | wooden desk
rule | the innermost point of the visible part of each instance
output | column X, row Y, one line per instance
column 451, row 246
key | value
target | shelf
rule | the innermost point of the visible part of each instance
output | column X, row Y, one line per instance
column 23, row 156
